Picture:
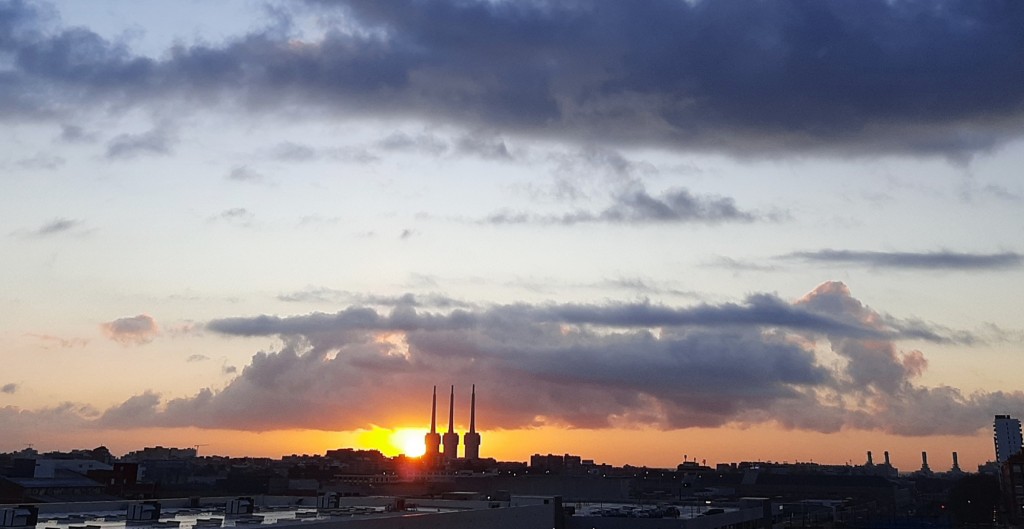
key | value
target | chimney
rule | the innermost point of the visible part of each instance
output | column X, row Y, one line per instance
column 887, row 459
column 450, row 440
column 472, row 439
column 871, row 462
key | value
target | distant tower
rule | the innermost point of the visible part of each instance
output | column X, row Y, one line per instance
column 472, row 439
column 886, row 453
column 956, row 465
column 451, row 439
column 871, row 462
column 433, row 439
column 924, row 463
column 1006, row 433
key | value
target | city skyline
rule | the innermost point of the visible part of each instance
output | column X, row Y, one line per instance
column 720, row 230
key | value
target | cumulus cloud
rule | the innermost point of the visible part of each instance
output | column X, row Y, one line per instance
column 133, row 330
column 906, row 76
column 940, row 260
column 640, row 207
column 594, row 366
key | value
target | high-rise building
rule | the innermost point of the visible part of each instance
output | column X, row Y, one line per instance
column 1007, row 437
column 471, row 438
column 433, row 439
column 450, row 440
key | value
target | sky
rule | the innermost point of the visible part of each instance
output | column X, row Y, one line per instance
column 646, row 231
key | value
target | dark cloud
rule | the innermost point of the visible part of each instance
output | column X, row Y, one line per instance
column 585, row 366
column 10, row 388
column 941, row 260
column 639, row 207
column 133, row 330
column 917, row 76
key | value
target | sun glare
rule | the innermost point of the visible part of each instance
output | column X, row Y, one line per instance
column 408, row 441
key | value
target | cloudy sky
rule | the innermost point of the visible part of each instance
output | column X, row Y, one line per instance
column 646, row 230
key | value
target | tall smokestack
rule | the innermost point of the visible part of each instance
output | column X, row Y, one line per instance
column 433, row 412
column 886, row 453
column 451, row 411
column 432, row 440
column 871, row 462
column 472, row 439
column 956, row 464
column 924, row 463
column 451, row 439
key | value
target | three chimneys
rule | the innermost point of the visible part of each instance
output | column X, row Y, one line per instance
column 450, row 440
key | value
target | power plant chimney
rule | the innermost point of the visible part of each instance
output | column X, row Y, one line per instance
column 924, row 463
column 472, row 439
column 956, row 465
column 887, row 459
column 871, row 462
column 450, row 440
column 433, row 439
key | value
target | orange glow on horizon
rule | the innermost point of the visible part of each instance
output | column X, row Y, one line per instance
column 408, row 441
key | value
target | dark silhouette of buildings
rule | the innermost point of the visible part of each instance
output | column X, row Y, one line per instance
column 1007, row 437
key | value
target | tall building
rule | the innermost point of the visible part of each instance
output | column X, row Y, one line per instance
column 472, row 439
column 433, row 439
column 450, row 440
column 1006, row 433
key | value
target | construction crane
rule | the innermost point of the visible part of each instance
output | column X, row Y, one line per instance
column 196, row 448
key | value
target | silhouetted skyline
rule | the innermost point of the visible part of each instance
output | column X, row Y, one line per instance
column 774, row 231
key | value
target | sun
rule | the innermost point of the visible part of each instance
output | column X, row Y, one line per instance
column 409, row 441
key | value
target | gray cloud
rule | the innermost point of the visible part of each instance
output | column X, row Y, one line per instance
column 42, row 161
column 936, row 76
column 243, row 173
column 297, row 152
column 427, row 143
column 238, row 216
column 197, row 358
column 133, row 330
column 155, row 141
column 585, row 366
column 56, row 226
column 941, row 260
column 334, row 296
column 10, row 388
column 75, row 134
column 639, row 207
